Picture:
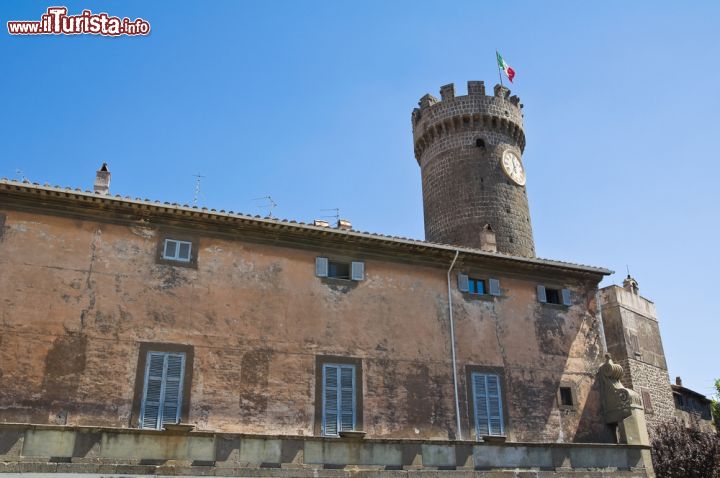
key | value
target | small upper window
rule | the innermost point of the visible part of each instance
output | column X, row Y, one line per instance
column 339, row 270
column 175, row 250
column 354, row 270
column 548, row 295
column 566, row 398
column 475, row 286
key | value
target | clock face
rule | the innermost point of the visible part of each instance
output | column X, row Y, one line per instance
column 512, row 167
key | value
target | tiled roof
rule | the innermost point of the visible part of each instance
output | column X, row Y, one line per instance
column 78, row 193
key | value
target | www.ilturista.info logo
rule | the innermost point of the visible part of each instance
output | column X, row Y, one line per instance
column 57, row 22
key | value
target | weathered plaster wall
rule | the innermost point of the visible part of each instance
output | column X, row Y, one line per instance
column 78, row 297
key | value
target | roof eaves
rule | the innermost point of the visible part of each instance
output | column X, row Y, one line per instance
column 291, row 224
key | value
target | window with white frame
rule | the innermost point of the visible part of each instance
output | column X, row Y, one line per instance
column 487, row 403
column 175, row 250
column 163, row 389
column 339, row 399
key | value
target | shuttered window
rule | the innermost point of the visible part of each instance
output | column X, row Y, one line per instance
column 162, row 393
column 339, row 270
column 487, row 400
column 338, row 410
column 475, row 286
column 175, row 250
column 546, row 295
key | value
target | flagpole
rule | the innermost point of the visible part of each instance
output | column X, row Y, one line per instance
column 498, row 65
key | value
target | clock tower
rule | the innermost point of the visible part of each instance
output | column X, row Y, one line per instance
column 469, row 149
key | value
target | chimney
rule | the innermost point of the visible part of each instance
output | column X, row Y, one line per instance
column 321, row 223
column 344, row 224
column 678, row 381
column 488, row 242
column 631, row 285
column 102, row 180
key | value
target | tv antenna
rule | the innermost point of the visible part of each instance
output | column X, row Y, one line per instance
column 198, row 177
column 21, row 174
column 336, row 215
column 270, row 204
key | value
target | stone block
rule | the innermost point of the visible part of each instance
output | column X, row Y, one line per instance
column 258, row 451
column 49, row 443
column 353, row 453
column 158, row 446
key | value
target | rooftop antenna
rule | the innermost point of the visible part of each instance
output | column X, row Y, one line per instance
column 336, row 215
column 270, row 204
column 628, row 269
column 20, row 173
column 196, row 195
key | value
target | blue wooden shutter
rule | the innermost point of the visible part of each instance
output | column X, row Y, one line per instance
column 541, row 296
column 347, row 398
column 330, row 400
column 494, row 286
column 172, row 398
column 152, row 396
column 338, row 399
column 566, row 298
column 162, row 395
column 495, row 405
column 321, row 266
column 481, row 409
column 170, row 249
column 463, row 284
column 357, row 271
column 488, row 405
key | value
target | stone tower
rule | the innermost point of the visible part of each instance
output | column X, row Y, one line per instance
column 469, row 150
column 632, row 332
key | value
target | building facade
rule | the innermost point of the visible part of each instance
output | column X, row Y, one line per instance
column 147, row 337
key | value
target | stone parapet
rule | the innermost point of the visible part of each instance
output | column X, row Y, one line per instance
column 62, row 449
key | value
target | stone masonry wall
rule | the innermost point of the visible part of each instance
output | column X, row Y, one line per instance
column 633, row 337
column 464, row 186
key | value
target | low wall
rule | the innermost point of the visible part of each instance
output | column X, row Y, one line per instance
column 58, row 449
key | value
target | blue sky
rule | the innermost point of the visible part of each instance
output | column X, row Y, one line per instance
column 310, row 102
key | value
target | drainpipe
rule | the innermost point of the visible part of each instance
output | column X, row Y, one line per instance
column 452, row 347
column 598, row 299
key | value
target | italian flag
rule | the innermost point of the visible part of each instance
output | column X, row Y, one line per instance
column 509, row 72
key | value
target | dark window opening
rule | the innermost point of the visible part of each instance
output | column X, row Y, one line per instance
column 647, row 402
column 566, row 398
column 339, row 270
column 480, row 143
column 553, row 296
column 476, row 286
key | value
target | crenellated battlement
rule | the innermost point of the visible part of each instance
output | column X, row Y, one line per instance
column 435, row 117
column 475, row 91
